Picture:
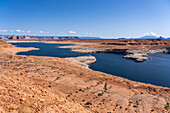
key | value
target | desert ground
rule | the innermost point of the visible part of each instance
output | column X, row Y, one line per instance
column 33, row 84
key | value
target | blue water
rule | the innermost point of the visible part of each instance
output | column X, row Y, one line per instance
column 155, row 71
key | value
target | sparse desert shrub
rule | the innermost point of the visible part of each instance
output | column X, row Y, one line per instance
column 105, row 86
column 100, row 94
column 167, row 107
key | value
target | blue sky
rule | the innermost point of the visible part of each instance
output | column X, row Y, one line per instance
column 101, row 18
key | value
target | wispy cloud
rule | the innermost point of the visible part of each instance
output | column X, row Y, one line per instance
column 28, row 31
column 42, row 32
column 3, row 30
column 19, row 31
column 71, row 32
column 15, row 31
column 12, row 31
column 90, row 33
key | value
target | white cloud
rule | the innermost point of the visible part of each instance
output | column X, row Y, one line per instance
column 3, row 30
column 72, row 32
column 18, row 31
column 62, row 32
column 28, row 31
column 151, row 34
column 42, row 32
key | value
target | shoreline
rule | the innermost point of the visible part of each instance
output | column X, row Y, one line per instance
column 14, row 50
column 136, row 55
column 83, row 47
column 77, row 61
column 82, row 61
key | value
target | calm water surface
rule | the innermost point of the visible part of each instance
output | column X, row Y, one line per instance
column 155, row 71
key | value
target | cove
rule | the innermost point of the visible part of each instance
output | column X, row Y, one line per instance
column 155, row 71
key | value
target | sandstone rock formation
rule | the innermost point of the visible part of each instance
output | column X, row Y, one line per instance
column 136, row 49
column 146, row 103
column 81, row 49
column 137, row 57
column 83, row 61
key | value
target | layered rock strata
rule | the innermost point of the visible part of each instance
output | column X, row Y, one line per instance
column 136, row 55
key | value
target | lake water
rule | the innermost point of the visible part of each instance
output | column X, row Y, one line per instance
column 155, row 71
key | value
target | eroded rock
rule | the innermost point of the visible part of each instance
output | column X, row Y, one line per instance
column 137, row 57
column 146, row 103
column 83, row 61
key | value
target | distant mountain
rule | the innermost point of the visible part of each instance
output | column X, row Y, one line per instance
column 16, row 37
column 89, row 37
column 161, row 37
column 149, row 37
column 122, row 38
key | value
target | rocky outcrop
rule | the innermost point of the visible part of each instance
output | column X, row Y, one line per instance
column 81, row 49
column 151, row 51
column 139, row 42
column 137, row 57
column 4, row 45
column 83, row 61
column 148, row 103
column 141, row 55
column 14, row 37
